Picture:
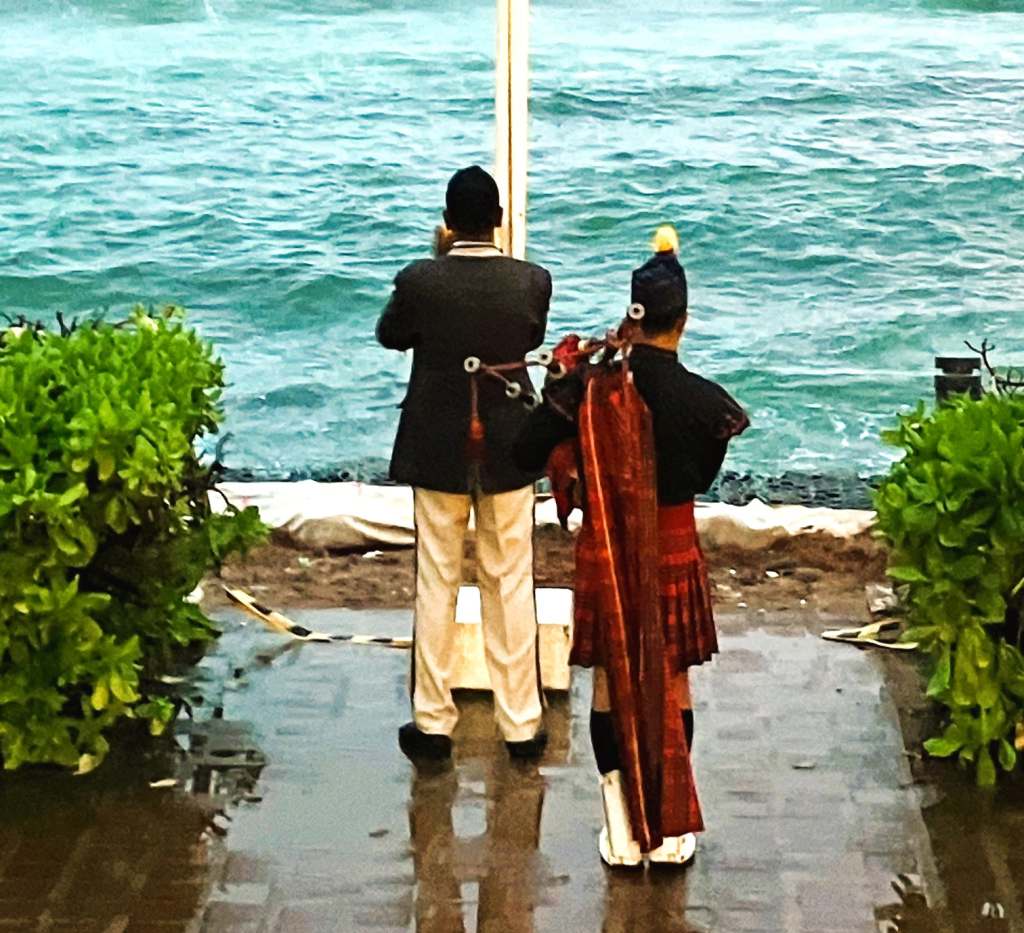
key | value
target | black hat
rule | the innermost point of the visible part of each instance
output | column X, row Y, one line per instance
column 660, row 286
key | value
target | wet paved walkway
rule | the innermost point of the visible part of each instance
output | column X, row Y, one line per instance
column 298, row 813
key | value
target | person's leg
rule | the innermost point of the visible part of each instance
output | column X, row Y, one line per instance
column 504, row 554
column 602, row 730
column 682, row 687
column 438, row 907
column 441, row 520
column 617, row 845
column 679, row 850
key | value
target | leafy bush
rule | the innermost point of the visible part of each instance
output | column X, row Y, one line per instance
column 105, row 526
column 952, row 513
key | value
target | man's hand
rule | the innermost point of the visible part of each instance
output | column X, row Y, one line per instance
column 444, row 240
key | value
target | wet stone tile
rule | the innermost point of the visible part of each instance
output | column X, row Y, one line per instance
column 31, row 888
column 342, row 834
column 308, row 919
column 160, row 888
column 21, row 909
column 146, row 926
column 748, row 920
column 227, row 918
column 23, row 866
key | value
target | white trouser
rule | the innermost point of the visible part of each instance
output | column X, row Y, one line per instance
column 504, row 557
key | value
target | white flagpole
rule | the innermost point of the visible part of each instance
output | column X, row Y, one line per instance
column 511, row 113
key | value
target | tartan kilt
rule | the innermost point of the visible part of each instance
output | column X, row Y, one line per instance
column 684, row 591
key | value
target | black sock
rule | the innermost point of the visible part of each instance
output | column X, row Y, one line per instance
column 602, row 737
column 688, row 726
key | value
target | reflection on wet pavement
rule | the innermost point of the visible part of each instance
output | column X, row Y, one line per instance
column 293, row 809
column 978, row 840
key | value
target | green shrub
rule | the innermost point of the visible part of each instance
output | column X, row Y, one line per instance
column 952, row 513
column 105, row 527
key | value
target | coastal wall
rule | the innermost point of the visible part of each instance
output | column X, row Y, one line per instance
column 360, row 516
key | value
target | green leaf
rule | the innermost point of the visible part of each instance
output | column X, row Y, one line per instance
column 64, row 541
column 942, row 747
column 965, row 683
column 87, row 763
column 953, row 534
column 921, row 519
column 986, row 769
column 923, row 634
column 1007, row 755
column 907, row 574
column 992, row 605
column 106, row 415
column 939, row 681
column 952, row 741
column 968, row 568
column 988, row 689
column 100, row 697
column 72, row 495
column 87, row 542
column 122, row 689
column 116, row 515
column 105, row 464
column 18, row 653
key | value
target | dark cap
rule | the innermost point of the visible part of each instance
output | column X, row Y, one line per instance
column 660, row 286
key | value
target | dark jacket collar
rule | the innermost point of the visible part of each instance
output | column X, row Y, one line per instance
column 645, row 351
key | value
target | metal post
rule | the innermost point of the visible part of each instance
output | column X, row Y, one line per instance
column 957, row 375
column 512, row 89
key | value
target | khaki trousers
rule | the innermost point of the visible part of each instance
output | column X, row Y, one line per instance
column 504, row 554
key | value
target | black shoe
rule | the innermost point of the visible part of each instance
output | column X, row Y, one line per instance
column 530, row 748
column 423, row 746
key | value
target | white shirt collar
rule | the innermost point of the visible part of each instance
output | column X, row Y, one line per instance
column 476, row 249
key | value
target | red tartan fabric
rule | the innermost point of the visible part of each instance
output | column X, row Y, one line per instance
column 621, row 609
column 683, row 589
column 690, row 636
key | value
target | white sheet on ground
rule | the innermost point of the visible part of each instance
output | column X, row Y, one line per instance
column 358, row 516
column 757, row 525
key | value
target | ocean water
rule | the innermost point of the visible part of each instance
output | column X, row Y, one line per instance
column 847, row 178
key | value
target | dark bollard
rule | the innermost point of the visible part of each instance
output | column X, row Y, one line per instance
column 958, row 375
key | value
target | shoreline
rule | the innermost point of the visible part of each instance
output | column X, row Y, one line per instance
column 850, row 489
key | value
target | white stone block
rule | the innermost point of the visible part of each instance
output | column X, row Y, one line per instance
column 554, row 634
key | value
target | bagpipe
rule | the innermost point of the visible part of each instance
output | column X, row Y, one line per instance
column 568, row 354
column 567, row 357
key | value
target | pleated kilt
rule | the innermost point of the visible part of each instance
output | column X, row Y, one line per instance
column 684, row 590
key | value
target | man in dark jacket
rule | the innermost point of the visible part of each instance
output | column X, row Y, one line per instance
column 470, row 302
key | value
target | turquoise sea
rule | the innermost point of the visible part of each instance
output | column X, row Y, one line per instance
column 847, row 178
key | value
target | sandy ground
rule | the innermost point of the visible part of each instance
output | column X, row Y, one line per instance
column 814, row 573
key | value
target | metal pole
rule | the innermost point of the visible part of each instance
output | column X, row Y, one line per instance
column 512, row 90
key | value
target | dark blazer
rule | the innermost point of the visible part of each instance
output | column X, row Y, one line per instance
column 445, row 310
